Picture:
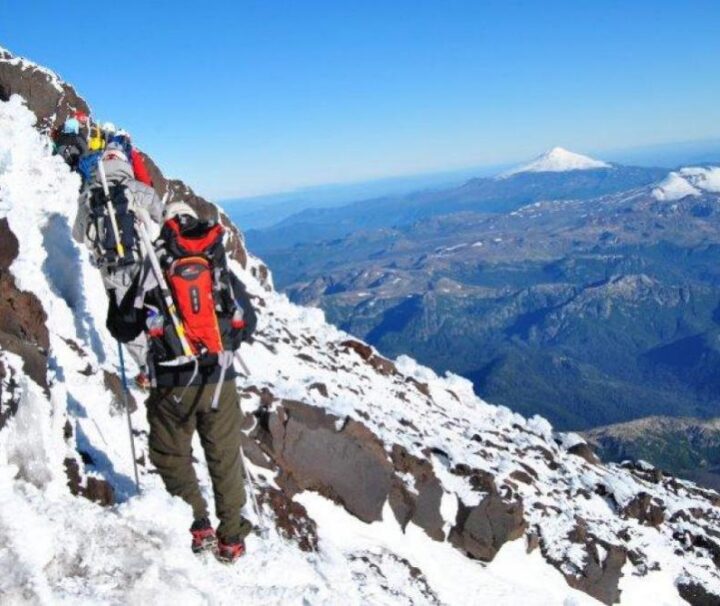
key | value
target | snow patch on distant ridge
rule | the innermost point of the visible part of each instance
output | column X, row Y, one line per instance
column 557, row 160
column 689, row 181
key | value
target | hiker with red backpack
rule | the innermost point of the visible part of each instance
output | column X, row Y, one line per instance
column 106, row 222
column 196, row 313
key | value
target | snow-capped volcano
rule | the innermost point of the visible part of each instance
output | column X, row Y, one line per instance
column 557, row 160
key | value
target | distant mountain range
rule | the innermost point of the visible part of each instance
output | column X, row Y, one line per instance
column 263, row 211
column 487, row 195
column 586, row 293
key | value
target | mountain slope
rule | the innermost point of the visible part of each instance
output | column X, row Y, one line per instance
column 688, row 447
column 380, row 482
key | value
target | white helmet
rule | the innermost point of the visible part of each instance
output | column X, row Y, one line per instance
column 109, row 127
column 176, row 209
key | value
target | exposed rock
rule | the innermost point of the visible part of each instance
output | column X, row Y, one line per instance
column 480, row 531
column 696, row 595
column 51, row 100
column 602, row 569
column 304, row 439
column 95, row 489
column 114, row 384
column 601, row 575
column 291, row 518
column 644, row 510
column 423, row 388
column 321, row 388
column 424, row 510
column 8, row 245
column 99, row 491
column 7, row 383
column 402, row 502
column 22, row 317
column 361, row 349
column 521, row 476
column 583, row 450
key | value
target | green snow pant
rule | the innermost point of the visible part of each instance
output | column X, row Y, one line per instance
column 172, row 425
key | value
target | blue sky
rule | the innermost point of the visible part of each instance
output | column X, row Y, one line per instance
column 242, row 98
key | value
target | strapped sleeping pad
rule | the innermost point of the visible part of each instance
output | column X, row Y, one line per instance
column 100, row 230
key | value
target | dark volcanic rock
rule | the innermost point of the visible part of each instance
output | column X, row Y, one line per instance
column 114, row 384
column 52, row 105
column 342, row 460
column 8, row 245
column 644, row 510
column 584, row 451
column 697, row 595
column 99, row 491
column 601, row 575
column 423, row 508
column 480, row 531
column 291, row 518
column 602, row 569
column 22, row 317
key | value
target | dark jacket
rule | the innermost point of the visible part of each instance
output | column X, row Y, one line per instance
column 71, row 147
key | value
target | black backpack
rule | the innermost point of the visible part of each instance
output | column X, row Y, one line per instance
column 100, row 230
column 71, row 153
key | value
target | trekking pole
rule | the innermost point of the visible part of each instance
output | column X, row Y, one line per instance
column 238, row 357
column 129, row 420
column 108, row 203
column 164, row 289
column 250, row 483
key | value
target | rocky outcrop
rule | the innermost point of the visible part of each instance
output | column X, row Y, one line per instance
column 418, row 503
column 481, row 530
column 22, row 317
column 339, row 458
column 49, row 98
column 291, row 518
column 645, row 510
column 601, row 574
column 94, row 489
column 114, row 385
column 696, row 595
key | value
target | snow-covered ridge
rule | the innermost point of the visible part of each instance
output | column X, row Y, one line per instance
column 557, row 160
column 481, row 466
column 689, row 181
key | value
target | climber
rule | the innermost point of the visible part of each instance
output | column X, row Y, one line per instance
column 140, row 170
column 94, row 226
column 108, row 131
column 96, row 142
column 70, row 144
column 84, row 122
column 190, row 358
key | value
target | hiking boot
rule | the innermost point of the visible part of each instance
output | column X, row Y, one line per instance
column 142, row 381
column 230, row 549
column 203, row 536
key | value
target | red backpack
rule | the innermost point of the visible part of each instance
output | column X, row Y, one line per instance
column 196, row 262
